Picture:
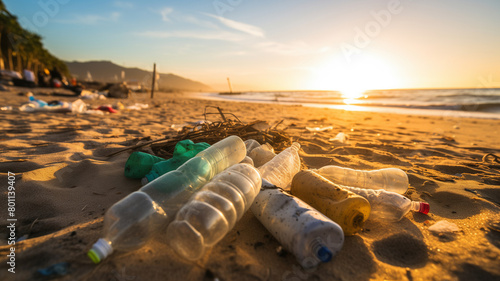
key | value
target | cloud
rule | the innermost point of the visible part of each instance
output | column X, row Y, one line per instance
column 123, row 4
column 90, row 19
column 240, row 26
column 203, row 35
column 165, row 12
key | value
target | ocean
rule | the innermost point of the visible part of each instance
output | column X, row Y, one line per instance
column 473, row 103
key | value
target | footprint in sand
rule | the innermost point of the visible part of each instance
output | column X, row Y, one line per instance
column 402, row 250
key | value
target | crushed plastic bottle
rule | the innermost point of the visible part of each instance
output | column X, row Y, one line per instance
column 387, row 205
column 309, row 235
column 281, row 169
column 262, row 154
column 183, row 151
column 347, row 209
column 213, row 211
column 390, row 179
column 130, row 222
column 139, row 164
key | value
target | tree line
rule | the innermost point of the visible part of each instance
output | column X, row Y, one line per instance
column 22, row 49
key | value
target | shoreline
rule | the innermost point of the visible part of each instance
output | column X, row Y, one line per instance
column 364, row 108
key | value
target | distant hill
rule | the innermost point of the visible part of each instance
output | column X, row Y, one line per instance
column 106, row 71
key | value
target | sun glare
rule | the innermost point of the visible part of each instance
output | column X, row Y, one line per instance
column 354, row 78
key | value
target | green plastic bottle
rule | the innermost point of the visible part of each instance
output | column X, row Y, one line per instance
column 184, row 150
column 139, row 164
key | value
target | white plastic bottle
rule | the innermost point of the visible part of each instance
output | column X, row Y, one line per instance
column 302, row 230
column 390, row 179
column 387, row 205
column 281, row 169
column 213, row 211
column 130, row 222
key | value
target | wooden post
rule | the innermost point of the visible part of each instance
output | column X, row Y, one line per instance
column 229, row 83
column 154, row 78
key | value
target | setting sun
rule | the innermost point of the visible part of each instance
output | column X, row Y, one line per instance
column 353, row 79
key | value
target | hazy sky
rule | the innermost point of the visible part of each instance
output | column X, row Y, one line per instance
column 346, row 45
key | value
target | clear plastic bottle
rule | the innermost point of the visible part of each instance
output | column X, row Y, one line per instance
column 347, row 209
column 302, row 230
column 251, row 144
column 130, row 222
column 281, row 169
column 184, row 150
column 387, row 205
column 262, row 154
column 213, row 211
column 390, row 179
column 139, row 164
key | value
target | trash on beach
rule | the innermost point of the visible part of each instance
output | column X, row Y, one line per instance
column 444, row 227
column 6, row 108
column 58, row 269
column 261, row 126
column 344, row 207
column 119, row 90
column 262, row 154
column 214, row 203
column 156, row 203
column 137, row 106
column 88, row 95
column 183, row 151
column 107, row 108
column 340, row 138
column 319, row 129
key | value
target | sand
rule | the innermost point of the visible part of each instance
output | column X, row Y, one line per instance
column 64, row 183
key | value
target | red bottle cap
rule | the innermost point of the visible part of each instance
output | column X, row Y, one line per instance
column 424, row 208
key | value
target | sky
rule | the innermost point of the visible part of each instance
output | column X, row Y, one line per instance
column 348, row 45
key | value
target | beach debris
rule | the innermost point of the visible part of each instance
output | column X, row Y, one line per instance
column 444, row 227
column 119, row 90
column 137, row 106
column 262, row 154
column 58, row 269
column 340, row 138
column 261, row 126
column 107, row 108
column 89, row 95
column 6, row 108
column 319, row 129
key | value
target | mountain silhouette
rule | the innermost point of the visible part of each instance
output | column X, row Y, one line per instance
column 107, row 71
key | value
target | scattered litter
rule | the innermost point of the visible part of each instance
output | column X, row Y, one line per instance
column 59, row 269
column 444, row 227
column 5, row 108
column 261, row 126
column 318, row 129
column 137, row 106
column 107, row 108
column 340, row 138
column 88, row 95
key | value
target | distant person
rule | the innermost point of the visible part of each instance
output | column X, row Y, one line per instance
column 43, row 78
column 56, row 78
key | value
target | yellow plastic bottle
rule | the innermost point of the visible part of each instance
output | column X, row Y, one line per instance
column 344, row 207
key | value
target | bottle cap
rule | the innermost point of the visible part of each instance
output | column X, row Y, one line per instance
column 324, row 254
column 100, row 250
column 424, row 208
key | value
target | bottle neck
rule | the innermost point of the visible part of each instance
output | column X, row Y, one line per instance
column 320, row 251
column 420, row 207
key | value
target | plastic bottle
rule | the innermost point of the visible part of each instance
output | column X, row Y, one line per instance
column 36, row 102
column 281, row 169
column 139, row 164
column 347, row 209
column 251, row 144
column 390, row 179
column 130, row 222
column 389, row 206
column 183, row 151
column 213, row 211
column 300, row 229
column 262, row 154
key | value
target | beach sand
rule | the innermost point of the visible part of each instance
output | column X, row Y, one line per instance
column 64, row 183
